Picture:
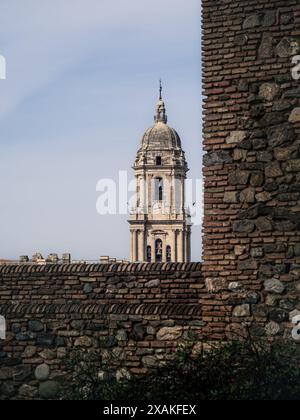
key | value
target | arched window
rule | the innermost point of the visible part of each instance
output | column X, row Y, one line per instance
column 149, row 254
column 158, row 160
column 158, row 250
column 159, row 189
column 169, row 253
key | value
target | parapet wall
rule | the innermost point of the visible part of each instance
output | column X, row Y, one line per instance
column 137, row 313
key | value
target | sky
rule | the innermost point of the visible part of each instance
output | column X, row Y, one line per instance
column 81, row 89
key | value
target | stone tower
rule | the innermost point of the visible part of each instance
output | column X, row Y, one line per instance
column 160, row 224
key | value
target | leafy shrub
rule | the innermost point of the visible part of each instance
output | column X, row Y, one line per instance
column 85, row 380
column 240, row 370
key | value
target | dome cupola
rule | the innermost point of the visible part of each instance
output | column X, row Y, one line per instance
column 161, row 139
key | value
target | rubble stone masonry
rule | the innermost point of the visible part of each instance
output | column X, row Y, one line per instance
column 252, row 165
column 139, row 313
column 134, row 314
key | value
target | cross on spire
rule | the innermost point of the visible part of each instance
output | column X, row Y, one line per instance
column 161, row 109
column 160, row 89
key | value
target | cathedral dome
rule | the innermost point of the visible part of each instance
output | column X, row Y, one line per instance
column 161, row 136
column 161, row 142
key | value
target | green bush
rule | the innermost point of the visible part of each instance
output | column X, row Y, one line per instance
column 244, row 370
column 83, row 381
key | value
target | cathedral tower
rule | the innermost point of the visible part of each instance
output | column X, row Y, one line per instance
column 160, row 224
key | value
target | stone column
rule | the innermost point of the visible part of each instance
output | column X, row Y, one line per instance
column 173, row 245
column 141, row 245
column 188, row 246
column 171, row 193
column 138, row 192
column 180, row 256
column 137, row 245
column 150, row 189
column 182, row 194
column 143, row 193
column 177, row 194
column 184, row 246
column 152, row 241
column 133, row 246
column 164, row 250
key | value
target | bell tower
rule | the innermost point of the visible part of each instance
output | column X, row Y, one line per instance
column 160, row 224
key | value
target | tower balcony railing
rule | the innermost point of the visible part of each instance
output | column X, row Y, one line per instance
column 159, row 208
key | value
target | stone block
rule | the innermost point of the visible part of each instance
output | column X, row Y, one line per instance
column 42, row 372
column 273, row 170
column 236, row 137
column 269, row 91
column 238, row 178
column 272, row 329
column 293, row 165
column 169, row 333
column 83, row 341
column 242, row 311
column 266, row 48
column 248, row 196
column 243, row 226
column 231, row 197
column 295, row 116
column 274, row 286
column 287, row 47
column 214, row 285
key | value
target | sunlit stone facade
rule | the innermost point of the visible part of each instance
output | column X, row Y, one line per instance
column 160, row 224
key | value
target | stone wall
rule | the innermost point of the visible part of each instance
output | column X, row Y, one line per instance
column 252, row 165
column 135, row 314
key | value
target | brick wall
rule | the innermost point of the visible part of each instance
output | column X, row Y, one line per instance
column 137, row 313
column 252, row 165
